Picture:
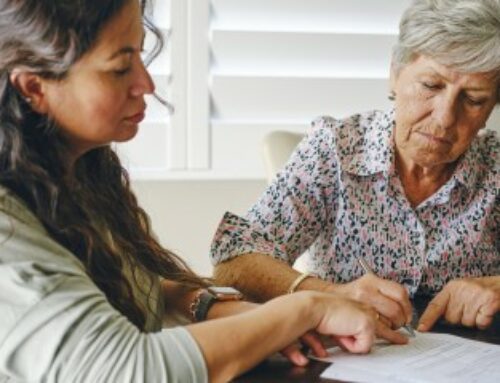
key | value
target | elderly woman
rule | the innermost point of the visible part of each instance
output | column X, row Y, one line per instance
column 414, row 192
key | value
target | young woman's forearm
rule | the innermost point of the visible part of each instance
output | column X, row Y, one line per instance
column 178, row 299
column 234, row 344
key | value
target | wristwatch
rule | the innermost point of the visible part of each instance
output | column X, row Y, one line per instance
column 205, row 298
column 225, row 293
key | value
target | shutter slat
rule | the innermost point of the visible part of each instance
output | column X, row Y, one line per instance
column 371, row 16
column 273, row 98
column 302, row 54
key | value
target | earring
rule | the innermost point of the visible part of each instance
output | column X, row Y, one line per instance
column 28, row 100
column 392, row 95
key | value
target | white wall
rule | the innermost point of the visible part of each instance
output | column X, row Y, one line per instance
column 185, row 214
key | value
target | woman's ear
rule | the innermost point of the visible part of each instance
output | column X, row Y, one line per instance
column 32, row 88
column 392, row 79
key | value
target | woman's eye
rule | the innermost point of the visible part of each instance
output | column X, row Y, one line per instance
column 475, row 102
column 431, row 85
column 122, row 72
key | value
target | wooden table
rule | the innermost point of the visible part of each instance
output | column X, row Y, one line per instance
column 277, row 369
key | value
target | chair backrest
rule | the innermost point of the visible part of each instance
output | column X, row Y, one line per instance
column 277, row 147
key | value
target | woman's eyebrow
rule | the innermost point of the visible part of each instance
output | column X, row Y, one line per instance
column 128, row 49
column 122, row 51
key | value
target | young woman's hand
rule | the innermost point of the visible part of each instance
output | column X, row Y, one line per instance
column 293, row 352
column 388, row 298
column 352, row 324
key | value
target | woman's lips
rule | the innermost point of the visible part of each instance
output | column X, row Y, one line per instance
column 435, row 139
column 136, row 118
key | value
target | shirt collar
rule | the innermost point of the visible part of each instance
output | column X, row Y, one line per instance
column 470, row 166
column 374, row 151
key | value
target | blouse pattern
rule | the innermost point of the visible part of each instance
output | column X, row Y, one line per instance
column 340, row 198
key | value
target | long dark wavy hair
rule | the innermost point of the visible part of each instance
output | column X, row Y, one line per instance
column 47, row 37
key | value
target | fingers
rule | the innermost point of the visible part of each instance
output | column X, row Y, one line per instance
column 477, row 315
column 483, row 320
column 362, row 341
column 385, row 321
column 313, row 341
column 398, row 294
column 389, row 298
column 359, row 344
column 389, row 310
column 340, row 343
column 436, row 308
column 485, row 314
column 294, row 354
column 385, row 332
column 454, row 312
column 469, row 315
column 469, row 302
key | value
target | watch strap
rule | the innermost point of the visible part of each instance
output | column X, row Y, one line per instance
column 201, row 304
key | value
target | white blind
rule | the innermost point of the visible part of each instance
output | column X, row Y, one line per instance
column 277, row 64
column 236, row 70
column 152, row 152
column 176, row 145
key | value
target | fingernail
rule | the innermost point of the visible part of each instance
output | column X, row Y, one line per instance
column 303, row 360
column 421, row 327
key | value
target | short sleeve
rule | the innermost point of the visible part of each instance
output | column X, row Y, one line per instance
column 57, row 326
column 293, row 210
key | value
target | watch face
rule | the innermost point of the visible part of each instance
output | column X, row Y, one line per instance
column 225, row 293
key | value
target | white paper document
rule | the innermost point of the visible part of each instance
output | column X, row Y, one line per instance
column 429, row 357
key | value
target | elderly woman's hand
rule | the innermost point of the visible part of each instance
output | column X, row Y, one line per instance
column 388, row 298
column 470, row 302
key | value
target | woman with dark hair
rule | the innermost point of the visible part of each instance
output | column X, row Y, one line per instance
column 84, row 286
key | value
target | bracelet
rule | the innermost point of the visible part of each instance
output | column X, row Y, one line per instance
column 194, row 304
column 298, row 281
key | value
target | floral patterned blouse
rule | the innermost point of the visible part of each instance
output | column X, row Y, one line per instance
column 340, row 197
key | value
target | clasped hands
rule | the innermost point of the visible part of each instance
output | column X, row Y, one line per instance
column 469, row 301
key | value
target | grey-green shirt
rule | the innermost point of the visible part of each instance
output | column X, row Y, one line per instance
column 57, row 326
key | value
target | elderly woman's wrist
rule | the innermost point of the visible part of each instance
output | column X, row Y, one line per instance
column 311, row 282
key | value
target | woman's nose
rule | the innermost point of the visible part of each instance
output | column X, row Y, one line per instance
column 445, row 110
column 143, row 83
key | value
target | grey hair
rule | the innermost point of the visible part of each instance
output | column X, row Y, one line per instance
column 461, row 34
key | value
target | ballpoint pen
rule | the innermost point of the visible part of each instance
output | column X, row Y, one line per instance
column 368, row 270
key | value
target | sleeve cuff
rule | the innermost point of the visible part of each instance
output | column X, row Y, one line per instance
column 189, row 356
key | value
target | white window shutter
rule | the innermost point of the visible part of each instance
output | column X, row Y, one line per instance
column 236, row 70
column 159, row 146
column 277, row 64
column 173, row 145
